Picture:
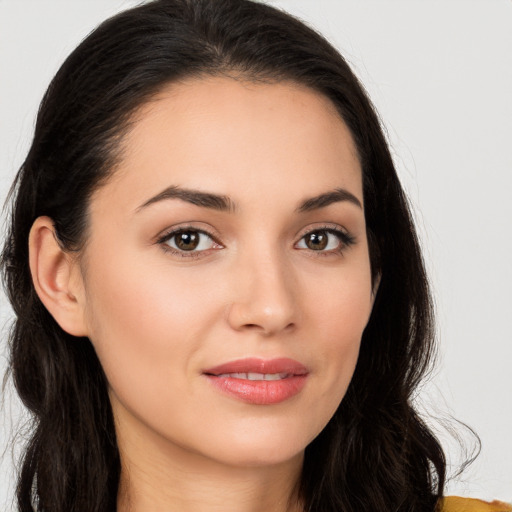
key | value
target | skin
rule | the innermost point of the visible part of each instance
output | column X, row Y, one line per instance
column 158, row 318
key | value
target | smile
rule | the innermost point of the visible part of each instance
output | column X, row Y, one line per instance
column 258, row 381
column 255, row 376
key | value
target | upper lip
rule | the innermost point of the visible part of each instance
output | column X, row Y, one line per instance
column 257, row 365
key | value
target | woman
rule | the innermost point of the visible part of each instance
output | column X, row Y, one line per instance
column 222, row 303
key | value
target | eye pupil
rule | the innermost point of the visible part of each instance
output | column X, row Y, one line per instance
column 317, row 241
column 187, row 240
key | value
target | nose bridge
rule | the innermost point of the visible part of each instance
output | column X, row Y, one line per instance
column 265, row 296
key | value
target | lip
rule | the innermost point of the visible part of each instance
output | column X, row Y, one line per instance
column 259, row 392
column 257, row 365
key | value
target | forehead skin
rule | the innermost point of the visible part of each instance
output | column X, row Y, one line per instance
column 195, row 105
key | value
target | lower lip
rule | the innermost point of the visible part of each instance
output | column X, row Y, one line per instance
column 260, row 392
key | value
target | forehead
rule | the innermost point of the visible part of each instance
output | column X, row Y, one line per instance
column 234, row 137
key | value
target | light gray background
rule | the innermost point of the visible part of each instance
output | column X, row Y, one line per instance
column 440, row 73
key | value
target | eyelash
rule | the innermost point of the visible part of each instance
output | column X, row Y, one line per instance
column 169, row 235
column 345, row 241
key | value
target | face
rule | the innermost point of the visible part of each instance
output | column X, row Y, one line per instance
column 226, row 280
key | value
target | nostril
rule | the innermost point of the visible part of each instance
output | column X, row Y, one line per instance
column 269, row 329
column 289, row 327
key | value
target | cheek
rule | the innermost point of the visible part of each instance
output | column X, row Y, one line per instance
column 339, row 311
column 147, row 326
column 144, row 297
column 144, row 322
column 340, row 306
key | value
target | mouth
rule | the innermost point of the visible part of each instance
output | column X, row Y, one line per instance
column 255, row 376
column 259, row 381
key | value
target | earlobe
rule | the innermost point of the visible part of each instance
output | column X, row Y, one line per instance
column 56, row 278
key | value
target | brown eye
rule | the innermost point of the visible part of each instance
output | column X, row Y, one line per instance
column 325, row 241
column 317, row 240
column 187, row 240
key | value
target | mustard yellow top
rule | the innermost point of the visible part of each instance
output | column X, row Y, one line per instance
column 456, row 504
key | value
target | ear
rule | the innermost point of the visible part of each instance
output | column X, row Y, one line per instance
column 57, row 278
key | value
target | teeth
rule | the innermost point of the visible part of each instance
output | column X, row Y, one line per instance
column 275, row 376
column 255, row 376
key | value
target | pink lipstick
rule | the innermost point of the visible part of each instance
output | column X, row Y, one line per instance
column 259, row 381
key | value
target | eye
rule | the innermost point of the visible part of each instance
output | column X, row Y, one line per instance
column 325, row 240
column 188, row 241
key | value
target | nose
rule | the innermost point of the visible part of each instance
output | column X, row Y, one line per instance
column 264, row 296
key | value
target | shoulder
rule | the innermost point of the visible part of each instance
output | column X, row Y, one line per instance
column 456, row 504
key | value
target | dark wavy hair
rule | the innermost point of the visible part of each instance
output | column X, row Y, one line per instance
column 376, row 454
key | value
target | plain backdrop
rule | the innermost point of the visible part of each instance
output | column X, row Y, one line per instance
column 440, row 74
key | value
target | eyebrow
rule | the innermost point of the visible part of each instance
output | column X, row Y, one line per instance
column 196, row 197
column 322, row 200
column 226, row 204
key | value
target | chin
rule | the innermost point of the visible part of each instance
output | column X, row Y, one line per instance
column 248, row 457
column 261, row 446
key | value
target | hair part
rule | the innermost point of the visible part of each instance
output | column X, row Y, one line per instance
column 376, row 453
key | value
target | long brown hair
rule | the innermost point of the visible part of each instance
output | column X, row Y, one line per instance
column 375, row 454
